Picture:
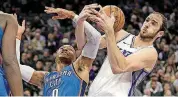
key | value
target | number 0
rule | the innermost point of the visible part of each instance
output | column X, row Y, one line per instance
column 55, row 93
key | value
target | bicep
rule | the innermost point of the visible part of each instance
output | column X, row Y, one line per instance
column 37, row 78
column 141, row 59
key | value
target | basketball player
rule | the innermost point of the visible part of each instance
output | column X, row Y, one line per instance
column 72, row 76
column 10, row 69
column 130, row 58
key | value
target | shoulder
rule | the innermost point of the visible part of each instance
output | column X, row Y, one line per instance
column 121, row 34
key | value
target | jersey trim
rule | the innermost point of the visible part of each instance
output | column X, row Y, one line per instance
column 132, row 42
column 83, row 86
column 76, row 73
column 123, row 38
column 134, row 82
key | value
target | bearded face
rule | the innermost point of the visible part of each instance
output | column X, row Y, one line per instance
column 151, row 27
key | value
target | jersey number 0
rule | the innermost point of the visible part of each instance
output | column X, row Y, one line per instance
column 55, row 93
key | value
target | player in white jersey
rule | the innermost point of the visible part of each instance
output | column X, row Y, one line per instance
column 130, row 58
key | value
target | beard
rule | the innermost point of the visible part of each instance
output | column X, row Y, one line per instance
column 147, row 36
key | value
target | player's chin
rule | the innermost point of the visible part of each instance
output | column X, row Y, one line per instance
column 66, row 60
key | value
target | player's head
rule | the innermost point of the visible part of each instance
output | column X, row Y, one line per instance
column 65, row 55
column 153, row 27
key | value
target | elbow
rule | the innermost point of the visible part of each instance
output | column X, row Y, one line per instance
column 9, row 61
column 116, row 70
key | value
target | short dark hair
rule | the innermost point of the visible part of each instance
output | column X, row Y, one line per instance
column 164, row 21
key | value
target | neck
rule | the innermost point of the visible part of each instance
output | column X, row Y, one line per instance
column 60, row 66
column 139, row 42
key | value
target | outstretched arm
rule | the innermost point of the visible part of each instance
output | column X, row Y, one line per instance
column 63, row 14
column 89, row 52
column 9, row 26
column 28, row 74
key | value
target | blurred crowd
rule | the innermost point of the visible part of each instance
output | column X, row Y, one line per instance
column 43, row 36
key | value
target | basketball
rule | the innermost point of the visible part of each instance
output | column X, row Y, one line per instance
column 118, row 14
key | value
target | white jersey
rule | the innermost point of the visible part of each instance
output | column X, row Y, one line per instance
column 108, row 84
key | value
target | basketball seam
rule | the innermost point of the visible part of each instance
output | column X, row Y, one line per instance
column 119, row 20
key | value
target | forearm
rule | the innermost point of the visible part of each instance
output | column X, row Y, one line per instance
column 92, row 45
column 116, row 58
column 26, row 71
column 80, row 35
column 87, row 28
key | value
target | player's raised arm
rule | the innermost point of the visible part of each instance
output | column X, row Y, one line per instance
column 63, row 14
column 9, row 27
column 28, row 74
column 89, row 52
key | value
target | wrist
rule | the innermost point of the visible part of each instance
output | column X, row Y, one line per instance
column 18, row 37
column 72, row 15
column 80, row 22
column 109, row 32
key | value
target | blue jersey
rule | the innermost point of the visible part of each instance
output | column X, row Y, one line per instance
column 64, row 83
column 1, row 35
column 4, row 87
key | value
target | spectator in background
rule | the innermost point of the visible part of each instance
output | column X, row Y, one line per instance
column 154, row 86
column 51, row 43
column 28, row 35
column 147, row 93
column 38, row 44
column 167, row 93
column 39, row 65
column 53, row 23
column 35, row 58
column 24, row 58
column 27, row 92
column 160, row 74
column 176, row 91
column 167, row 90
column 154, row 91
column 37, row 22
column 169, row 70
column 147, row 9
column 176, row 59
column 164, row 54
column 175, row 83
column 168, row 84
column 46, row 55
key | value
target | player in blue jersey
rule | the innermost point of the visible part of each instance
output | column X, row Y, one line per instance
column 10, row 78
column 72, row 74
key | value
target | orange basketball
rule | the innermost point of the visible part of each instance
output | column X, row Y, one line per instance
column 119, row 16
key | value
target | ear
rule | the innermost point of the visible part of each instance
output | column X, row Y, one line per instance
column 160, row 33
